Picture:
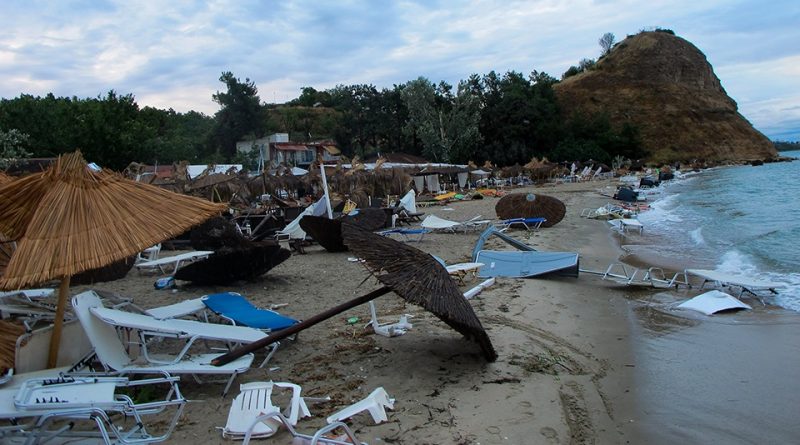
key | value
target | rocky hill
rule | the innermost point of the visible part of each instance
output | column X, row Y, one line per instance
column 664, row 85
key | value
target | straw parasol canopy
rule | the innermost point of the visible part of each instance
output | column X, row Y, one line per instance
column 326, row 232
column 531, row 205
column 419, row 279
column 70, row 218
column 4, row 178
column 414, row 275
column 367, row 218
column 234, row 264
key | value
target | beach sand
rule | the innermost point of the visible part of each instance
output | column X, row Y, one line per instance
column 581, row 360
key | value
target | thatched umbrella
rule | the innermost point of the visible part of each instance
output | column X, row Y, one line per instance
column 414, row 275
column 326, row 232
column 69, row 219
column 4, row 178
column 233, row 264
column 368, row 219
column 531, row 205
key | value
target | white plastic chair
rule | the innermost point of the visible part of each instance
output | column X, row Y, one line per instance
column 110, row 351
column 255, row 399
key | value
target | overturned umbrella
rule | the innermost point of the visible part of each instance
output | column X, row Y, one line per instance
column 328, row 232
column 232, row 264
column 414, row 275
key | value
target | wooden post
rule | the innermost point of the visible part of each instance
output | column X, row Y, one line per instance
column 58, row 324
column 305, row 324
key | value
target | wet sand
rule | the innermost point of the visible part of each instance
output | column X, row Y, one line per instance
column 581, row 360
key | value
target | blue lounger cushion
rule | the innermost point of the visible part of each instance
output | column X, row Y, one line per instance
column 235, row 307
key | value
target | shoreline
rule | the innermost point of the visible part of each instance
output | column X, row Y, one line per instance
column 573, row 352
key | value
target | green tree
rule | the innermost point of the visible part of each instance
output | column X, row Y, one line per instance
column 12, row 147
column 519, row 116
column 445, row 123
column 241, row 114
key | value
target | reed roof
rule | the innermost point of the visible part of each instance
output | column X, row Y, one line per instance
column 69, row 219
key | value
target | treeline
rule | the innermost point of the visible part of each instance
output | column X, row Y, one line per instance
column 505, row 119
column 786, row 145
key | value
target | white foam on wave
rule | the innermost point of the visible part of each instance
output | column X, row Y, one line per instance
column 736, row 262
column 697, row 236
column 788, row 297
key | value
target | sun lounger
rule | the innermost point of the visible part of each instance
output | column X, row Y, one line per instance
column 187, row 330
column 530, row 224
column 174, row 261
column 627, row 224
column 434, row 223
column 47, row 405
column 239, row 311
column 409, row 235
column 112, row 355
column 746, row 284
column 181, row 309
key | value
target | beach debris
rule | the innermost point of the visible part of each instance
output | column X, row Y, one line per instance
column 255, row 399
column 479, row 288
column 391, row 329
column 712, row 302
column 375, row 404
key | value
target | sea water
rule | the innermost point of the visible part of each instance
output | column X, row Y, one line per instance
column 742, row 219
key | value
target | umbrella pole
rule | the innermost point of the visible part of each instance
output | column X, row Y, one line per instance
column 291, row 330
column 58, row 323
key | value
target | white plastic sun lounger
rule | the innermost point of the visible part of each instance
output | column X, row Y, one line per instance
column 723, row 279
column 433, row 222
column 189, row 330
column 627, row 224
column 176, row 261
column 42, row 406
column 112, row 355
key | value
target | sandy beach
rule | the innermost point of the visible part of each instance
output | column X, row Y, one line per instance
column 581, row 360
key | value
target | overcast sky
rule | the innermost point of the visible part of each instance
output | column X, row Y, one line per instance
column 170, row 54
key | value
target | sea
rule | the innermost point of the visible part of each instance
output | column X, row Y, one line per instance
column 735, row 219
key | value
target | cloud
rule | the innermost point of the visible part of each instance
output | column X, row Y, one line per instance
column 171, row 54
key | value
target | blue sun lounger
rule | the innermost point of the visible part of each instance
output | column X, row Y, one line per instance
column 236, row 309
column 529, row 223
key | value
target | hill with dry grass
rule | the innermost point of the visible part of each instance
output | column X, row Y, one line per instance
column 663, row 85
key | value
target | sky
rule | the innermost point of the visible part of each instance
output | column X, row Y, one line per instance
column 170, row 54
